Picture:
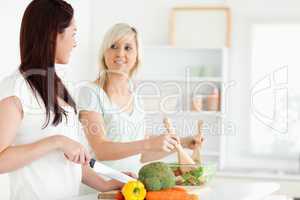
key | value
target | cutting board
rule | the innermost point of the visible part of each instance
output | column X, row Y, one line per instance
column 198, row 190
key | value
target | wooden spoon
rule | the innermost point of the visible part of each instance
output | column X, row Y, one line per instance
column 183, row 157
column 196, row 156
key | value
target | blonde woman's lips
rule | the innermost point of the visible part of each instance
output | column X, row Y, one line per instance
column 120, row 62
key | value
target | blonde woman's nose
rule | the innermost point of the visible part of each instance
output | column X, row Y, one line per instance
column 120, row 52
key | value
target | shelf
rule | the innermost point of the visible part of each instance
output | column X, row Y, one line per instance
column 188, row 113
column 168, row 47
column 201, row 113
column 167, row 63
column 180, row 79
column 210, row 153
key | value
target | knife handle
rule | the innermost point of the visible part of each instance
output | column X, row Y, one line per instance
column 92, row 162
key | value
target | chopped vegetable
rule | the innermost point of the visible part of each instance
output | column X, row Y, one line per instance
column 193, row 177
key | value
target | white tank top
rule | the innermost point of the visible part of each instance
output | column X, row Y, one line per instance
column 120, row 126
column 52, row 176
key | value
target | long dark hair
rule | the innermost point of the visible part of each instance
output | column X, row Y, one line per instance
column 42, row 21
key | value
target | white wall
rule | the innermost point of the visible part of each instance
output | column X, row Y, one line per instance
column 11, row 13
column 80, row 63
column 151, row 18
column 10, row 19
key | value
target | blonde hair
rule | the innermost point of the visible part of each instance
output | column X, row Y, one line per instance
column 115, row 33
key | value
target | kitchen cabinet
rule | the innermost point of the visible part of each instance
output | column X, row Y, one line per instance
column 186, row 85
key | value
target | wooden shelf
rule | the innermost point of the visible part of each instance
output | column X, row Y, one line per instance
column 180, row 79
column 170, row 47
column 210, row 153
column 187, row 113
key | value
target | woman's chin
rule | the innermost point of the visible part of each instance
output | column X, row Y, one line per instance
column 62, row 61
column 119, row 71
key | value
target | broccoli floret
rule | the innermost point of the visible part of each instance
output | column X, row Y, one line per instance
column 157, row 176
column 197, row 172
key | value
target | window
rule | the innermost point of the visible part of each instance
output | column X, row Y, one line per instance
column 275, row 100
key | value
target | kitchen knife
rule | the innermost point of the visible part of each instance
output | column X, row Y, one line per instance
column 109, row 172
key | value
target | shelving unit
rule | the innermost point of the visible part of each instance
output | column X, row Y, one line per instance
column 181, row 79
column 187, row 113
column 168, row 81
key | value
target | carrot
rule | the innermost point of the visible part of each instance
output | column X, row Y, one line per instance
column 193, row 197
column 169, row 194
column 119, row 196
column 179, row 189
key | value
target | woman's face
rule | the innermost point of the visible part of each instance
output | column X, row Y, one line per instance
column 121, row 56
column 65, row 42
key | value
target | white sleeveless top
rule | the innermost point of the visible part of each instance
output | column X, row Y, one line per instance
column 120, row 126
column 52, row 176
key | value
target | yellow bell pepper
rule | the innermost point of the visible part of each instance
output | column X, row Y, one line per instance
column 134, row 190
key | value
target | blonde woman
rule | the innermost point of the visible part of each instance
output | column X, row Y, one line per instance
column 111, row 112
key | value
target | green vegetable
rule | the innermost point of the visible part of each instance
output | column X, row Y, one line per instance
column 193, row 177
column 197, row 172
column 157, row 176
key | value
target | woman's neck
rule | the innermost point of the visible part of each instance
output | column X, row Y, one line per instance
column 117, row 84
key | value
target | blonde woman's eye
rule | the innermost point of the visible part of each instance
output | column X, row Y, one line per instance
column 113, row 46
column 128, row 48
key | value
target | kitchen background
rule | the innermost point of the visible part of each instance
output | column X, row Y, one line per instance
column 253, row 136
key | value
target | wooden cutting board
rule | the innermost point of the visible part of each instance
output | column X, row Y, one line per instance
column 198, row 190
column 107, row 195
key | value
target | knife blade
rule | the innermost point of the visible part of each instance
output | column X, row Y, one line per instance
column 109, row 172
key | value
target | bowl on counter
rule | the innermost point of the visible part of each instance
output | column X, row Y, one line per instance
column 197, row 175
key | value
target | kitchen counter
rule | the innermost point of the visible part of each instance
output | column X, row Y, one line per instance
column 230, row 191
column 269, row 176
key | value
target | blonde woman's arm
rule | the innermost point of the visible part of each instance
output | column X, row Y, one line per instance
column 104, row 149
column 15, row 157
